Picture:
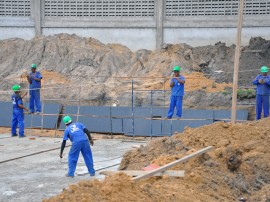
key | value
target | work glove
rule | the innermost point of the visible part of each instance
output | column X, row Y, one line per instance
column 92, row 142
column 261, row 81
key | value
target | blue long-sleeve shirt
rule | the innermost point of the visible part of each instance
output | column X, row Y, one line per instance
column 16, row 101
column 262, row 89
column 178, row 88
column 33, row 83
column 75, row 133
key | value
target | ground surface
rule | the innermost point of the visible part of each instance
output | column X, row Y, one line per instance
column 41, row 176
column 238, row 167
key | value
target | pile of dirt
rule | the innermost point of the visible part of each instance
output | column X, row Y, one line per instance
column 86, row 61
column 238, row 167
column 115, row 188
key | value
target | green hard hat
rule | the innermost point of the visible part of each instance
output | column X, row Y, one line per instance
column 67, row 120
column 16, row 87
column 176, row 68
column 33, row 65
column 264, row 69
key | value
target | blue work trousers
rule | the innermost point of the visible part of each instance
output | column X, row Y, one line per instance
column 176, row 101
column 262, row 101
column 34, row 100
column 17, row 119
column 73, row 156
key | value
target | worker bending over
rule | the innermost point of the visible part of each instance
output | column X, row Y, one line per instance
column 76, row 133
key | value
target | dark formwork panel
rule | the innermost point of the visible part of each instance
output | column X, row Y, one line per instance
column 117, row 118
column 118, row 124
column 50, row 120
column 121, row 111
column 226, row 114
column 142, row 127
column 96, row 124
column 172, row 126
column 6, row 114
column 31, row 120
column 198, row 114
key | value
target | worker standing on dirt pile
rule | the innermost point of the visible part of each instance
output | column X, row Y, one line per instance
column 76, row 133
column 262, row 81
column 18, row 116
column 177, row 86
column 34, row 79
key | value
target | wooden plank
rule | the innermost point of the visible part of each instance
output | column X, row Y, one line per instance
column 236, row 61
column 133, row 173
column 167, row 166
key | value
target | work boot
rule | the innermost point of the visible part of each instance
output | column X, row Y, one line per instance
column 22, row 136
column 14, row 135
column 92, row 174
column 69, row 176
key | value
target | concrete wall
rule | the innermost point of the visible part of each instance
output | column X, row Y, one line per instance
column 133, row 38
column 163, row 23
column 206, row 36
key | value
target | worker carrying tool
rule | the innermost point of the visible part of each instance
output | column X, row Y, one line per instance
column 262, row 81
column 34, row 79
column 76, row 133
column 17, row 116
column 177, row 87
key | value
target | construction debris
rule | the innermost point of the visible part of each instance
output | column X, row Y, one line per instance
column 174, row 163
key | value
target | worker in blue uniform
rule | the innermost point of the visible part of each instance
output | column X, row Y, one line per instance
column 177, row 87
column 79, row 136
column 18, row 116
column 262, row 81
column 34, row 79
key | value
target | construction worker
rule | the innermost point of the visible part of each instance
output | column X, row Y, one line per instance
column 262, row 81
column 18, row 116
column 76, row 133
column 177, row 87
column 34, row 79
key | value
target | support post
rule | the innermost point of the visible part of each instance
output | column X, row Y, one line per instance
column 132, row 107
column 36, row 9
column 159, row 23
column 236, row 61
column 151, row 135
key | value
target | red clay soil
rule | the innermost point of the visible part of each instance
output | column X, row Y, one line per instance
column 239, row 166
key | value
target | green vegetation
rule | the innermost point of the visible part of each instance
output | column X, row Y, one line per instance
column 246, row 93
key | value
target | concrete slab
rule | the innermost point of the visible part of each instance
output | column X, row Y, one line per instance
column 40, row 176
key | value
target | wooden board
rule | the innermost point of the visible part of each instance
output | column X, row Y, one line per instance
column 167, row 166
column 134, row 173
